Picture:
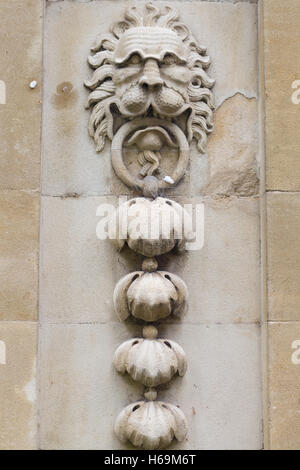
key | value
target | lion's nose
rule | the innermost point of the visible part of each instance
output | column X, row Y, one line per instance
column 151, row 75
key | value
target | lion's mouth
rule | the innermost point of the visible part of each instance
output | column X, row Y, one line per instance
column 151, row 110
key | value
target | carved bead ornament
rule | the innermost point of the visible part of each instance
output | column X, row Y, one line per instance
column 150, row 91
column 150, row 361
column 150, row 296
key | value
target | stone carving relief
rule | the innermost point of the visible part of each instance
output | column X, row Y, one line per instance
column 151, row 75
column 150, row 92
column 163, row 225
column 150, row 361
column 150, row 295
column 151, row 424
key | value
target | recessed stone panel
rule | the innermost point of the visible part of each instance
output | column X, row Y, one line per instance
column 223, row 277
column 77, row 269
column 220, row 393
column 70, row 163
column 80, row 386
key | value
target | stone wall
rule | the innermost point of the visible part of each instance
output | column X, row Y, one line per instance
column 282, row 203
column 61, row 392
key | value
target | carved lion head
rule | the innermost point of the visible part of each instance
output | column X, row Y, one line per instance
column 150, row 65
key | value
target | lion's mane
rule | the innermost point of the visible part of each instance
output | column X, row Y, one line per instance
column 102, row 94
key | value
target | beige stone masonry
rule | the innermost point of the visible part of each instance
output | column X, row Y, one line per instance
column 18, row 405
column 222, row 27
column 281, row 35
column 77, row 269
column 20, row 117
column 284, row 393
column 282, row 39
column 252, row 226
column 19, row 247
column 76, row 288
column 84, row 392
column 283, row 210
column 221, row 331
column 21, row 43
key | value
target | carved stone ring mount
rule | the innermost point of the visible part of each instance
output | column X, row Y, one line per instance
column 167, row 129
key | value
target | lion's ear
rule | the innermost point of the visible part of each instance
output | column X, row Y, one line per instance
column 181, row 30
column 119, row 28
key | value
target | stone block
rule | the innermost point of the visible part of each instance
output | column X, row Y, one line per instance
column 223, row 278
column 284, row 396
column 77, row 269
column 281, row 53
column 19, row 251
column 220, row 394
column 18, row 406
column 283, row 226
column 70, row 163
column 21, row 63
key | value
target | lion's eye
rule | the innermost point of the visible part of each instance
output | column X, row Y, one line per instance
column 169, row 59
column 134, row 59
column 196, row 83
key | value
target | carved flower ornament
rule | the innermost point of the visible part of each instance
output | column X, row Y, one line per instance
column 150, row 227
column 150, row 361
column 149, row 294
column 151, row 425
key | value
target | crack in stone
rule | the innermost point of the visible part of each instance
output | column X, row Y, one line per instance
column 235, row 93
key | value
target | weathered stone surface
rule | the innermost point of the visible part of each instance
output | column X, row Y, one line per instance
column 221, row 391
column 77, row 269
column 21, row 63
column 70, row 162
column 19, row 246
column 283, row 374
column 232, row 151
column 283, row 369
column 283, row 227
column 81, row 387
column 230, row 34
column 282, row 49
column 18, row 387
column 223, row 278
column 220, row 394
column 285, row 429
